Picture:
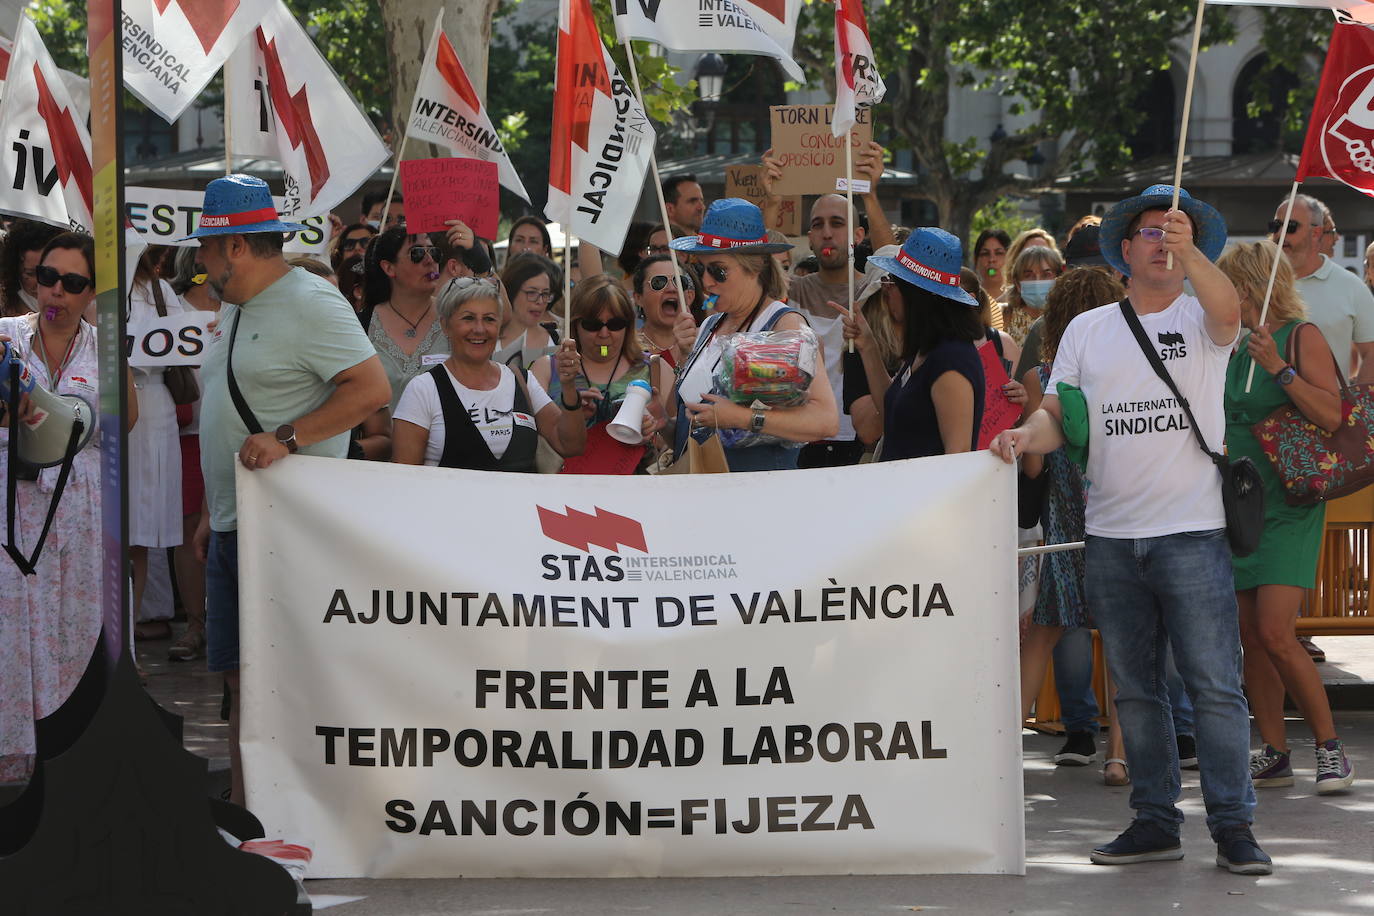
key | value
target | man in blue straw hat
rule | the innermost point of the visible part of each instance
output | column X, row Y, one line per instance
column 1158, row 560
column 288, row 369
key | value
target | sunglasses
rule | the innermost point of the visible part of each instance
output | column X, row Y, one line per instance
column 592, row 325
column 658, row 283
column 717, row 272
column 418, row 253
column 1293, row 226
column 360, row 242
column 72, row 283
column 465, row 282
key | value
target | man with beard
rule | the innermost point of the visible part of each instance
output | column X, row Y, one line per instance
column 303, row 374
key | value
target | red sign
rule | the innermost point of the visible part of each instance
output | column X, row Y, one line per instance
column 437, row 190
column 999, row 413
column 604, row 455
column 1340, row 136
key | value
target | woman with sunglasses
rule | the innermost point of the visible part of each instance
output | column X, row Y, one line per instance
column 473, row 412
column 610, row 361
column 49, row 621
column 400, row 276
column 745, row 285
column 668, row 330
column 351, row 243
column 532, row 283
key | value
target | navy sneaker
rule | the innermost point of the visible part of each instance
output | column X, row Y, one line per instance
column 1187, row 752
column 1079, row 750
column 1238, row 853
column 1143, row 841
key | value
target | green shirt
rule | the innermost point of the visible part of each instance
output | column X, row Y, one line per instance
column 293, row 338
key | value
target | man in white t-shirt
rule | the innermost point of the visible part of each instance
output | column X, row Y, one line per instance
column 1158, row 562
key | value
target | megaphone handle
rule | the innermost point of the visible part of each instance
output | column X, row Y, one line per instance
column 29, row 565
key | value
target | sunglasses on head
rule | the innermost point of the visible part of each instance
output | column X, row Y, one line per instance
column 659, row 282
column 717, row 272
column 419, row 252
column 592, row 325
column 72, row 283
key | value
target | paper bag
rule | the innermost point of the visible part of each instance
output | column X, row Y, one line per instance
column 701, row 458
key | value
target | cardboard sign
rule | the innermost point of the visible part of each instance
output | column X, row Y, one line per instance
column 999, row 413
column 164, row 216
column 812, row 158
column 746, row 181
column 437, row 190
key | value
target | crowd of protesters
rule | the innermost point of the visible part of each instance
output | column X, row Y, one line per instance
column 420, row 349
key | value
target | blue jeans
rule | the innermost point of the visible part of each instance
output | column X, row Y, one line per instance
column 1073, row 682
column 222, row 602
column 1150, row 595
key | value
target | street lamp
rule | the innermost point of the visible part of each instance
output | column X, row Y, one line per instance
column 710, row 76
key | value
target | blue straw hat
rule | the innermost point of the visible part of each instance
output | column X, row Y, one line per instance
column 930, row 260
column 1209, row 229
column 733, row 225
column 238, row 204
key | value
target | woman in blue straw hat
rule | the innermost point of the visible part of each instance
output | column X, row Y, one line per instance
column 747, row 286
column 934, row 404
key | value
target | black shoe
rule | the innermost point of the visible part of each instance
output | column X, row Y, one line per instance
column 1187, row 752
column 1143, row 841
column 1238, row 853
column 1079, row 750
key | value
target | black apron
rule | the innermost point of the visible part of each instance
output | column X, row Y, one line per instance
column 464, row 444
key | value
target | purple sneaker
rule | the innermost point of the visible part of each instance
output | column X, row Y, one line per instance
column 1334, row 772
column 1271, row 767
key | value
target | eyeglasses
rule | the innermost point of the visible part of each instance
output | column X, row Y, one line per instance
column 1150, row 233
column 1293, row 226
column 654, row 249
column 592, row 325
column 72, row 283
column 419, row 252
column 662, row 280
column 359, row 242
column 717, row 272
column 537, row 295
column 886, row 280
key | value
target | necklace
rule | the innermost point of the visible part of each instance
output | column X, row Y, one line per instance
column 606, row 388
column 410, row 331
column 55, row 378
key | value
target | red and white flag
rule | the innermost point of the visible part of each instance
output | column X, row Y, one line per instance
column 602, row 139
column 448, row 112
column 172, row 48
column 857, row 83
column 47, row 163
column 283, row 101
column 1345, row 10
column 1340, row 135
column 6, row 46
column 736, row 27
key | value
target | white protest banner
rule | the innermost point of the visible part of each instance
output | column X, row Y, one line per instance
column 448, row 112
column 284, row 102
column 719, row 25
column 176, row 340
column 49, row 176
column 164, row 216
column 602, row 139
column 173, row 48
column 564, row 679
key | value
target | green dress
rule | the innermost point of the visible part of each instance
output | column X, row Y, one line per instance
column 1287, row 553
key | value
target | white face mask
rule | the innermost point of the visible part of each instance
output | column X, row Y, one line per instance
column 30, row 301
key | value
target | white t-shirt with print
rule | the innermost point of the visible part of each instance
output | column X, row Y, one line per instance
column 1146, row 475
column 493, row 411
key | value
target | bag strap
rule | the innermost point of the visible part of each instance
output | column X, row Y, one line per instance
column 158, row 302
column 462, row 439
column 246, row 414
column 29, row 565
column 1133, row 322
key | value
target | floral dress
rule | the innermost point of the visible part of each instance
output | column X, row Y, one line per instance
column 1061, row 601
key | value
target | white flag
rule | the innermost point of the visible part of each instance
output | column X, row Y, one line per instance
column 6, row 46
column 732, row 27
column 47, row 162
column 449, row 113
column 602, row 139
column 857, row 83
column 172, row 48
column 1347, row 11
column 283, row 101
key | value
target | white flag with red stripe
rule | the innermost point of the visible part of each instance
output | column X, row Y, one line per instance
column 857, row 83
column 172, row 48
column 1349, row 11
column 602, row 139
column 6, row 46
column 47, row 162
column 448, row 112
column 732, row 27
column 283, row 101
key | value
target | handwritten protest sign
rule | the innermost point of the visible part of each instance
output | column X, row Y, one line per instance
column 812, row 158
column 746, row 181
column 437, row 190
column 999, row 413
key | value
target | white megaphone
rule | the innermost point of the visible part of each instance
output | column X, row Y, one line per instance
column 44, row 437
column 629, row 420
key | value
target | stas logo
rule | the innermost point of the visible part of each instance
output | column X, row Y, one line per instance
column 583, row 531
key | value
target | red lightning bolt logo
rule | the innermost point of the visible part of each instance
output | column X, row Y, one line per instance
column 73, row 160
column 580, row 530
column 208, row 18
column 581, row 74
column 775, row 8
column 293, row 113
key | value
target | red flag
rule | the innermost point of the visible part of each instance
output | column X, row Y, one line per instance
column 1341, row 132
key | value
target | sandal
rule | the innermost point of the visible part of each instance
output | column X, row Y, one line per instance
column 189, row 647
column 151, row 630
column 1112, row 779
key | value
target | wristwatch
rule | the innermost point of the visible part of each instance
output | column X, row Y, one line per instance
column 1286, row 375
column 286, row 435
column 756, row 424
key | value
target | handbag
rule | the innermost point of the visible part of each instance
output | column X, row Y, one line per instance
column 180, row 380
column 1242, row 488
column 1312, row 464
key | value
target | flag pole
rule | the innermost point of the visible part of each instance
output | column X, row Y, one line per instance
column 849, row 221
column 405, row 131
column 1274, row 272
column 1187, row 110
column 567, row 282
column 228, row 146
column 658, row 184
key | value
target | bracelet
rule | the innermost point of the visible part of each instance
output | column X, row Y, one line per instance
column 564, row 404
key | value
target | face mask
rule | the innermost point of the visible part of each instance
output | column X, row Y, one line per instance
column 1035, row 292
column 375, row 224
column 30, row 301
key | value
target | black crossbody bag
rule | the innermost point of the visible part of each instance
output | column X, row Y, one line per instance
column 1242, row 488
